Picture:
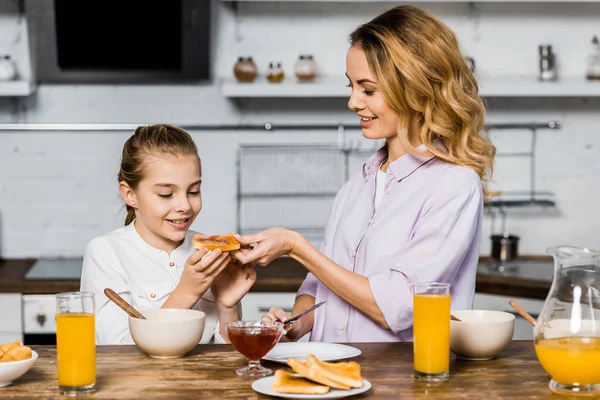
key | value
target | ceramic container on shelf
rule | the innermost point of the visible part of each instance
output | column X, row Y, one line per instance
column 593, row 67
column 245, row 70
column 275, row 73
column 305, row 68
column 8, row 69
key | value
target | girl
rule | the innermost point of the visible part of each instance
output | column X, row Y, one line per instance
column 150, row 262
column 413, row 213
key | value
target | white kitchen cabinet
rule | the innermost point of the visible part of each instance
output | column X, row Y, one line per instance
column 11, row 322
column 523, row 329
column 39, row 314
column 255, row 305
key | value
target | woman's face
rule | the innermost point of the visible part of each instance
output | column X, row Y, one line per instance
column 378, row 121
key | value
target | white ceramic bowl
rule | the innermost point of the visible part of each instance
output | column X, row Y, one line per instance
column 9, row 371
column 167, row 332
column 481, row 334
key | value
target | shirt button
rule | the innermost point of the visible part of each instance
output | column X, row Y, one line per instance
column 371, row 221
column 388, row 191
column 171, row 264
column 389, row 171
column 342, row 327
column 153, row 295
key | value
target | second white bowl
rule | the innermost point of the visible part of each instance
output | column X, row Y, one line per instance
column 481, row 334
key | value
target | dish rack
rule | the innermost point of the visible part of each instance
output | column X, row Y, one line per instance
column 275, row 181
column 530, row 197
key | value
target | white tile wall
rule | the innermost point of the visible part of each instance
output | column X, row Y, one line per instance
column 58, row 189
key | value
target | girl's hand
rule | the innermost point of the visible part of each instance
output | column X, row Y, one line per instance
column 270, row 244
column 230, row 286
column 200, row 271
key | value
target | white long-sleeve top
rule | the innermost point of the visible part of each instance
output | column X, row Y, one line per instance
column 143, row 275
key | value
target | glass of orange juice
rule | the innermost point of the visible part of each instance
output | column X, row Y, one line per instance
column 75, row 343
column 431, row 331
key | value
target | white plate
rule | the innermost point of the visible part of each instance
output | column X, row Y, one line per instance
column 299, row 350
column 263, row 386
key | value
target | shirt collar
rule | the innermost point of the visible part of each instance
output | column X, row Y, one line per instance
column 153, row 252
column 400, row 168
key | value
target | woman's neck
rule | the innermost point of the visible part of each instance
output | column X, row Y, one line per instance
column 396, row 149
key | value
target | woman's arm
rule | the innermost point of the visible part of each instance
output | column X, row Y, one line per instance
column 351, row 287
column 441, row 240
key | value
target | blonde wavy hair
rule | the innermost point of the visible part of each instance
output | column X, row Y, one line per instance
column 424, row 78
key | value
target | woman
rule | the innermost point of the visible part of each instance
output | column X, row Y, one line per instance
column 413, row 213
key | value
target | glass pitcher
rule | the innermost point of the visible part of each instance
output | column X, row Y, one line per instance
column 567, row 332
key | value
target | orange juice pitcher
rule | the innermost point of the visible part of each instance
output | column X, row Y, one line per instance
column 75, row 343
column 431, row 331
column 567, row 332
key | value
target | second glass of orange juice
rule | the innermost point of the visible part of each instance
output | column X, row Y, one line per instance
column 431, row 331
column 75, row 343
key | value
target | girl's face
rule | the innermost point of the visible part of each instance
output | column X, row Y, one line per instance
column 167, row 200
column 378, row 121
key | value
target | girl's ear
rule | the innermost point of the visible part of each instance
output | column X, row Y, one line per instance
column 127, row 194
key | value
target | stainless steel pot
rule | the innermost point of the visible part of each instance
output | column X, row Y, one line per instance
column 505, row 247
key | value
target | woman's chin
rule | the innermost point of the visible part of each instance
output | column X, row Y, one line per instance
column 372, row 134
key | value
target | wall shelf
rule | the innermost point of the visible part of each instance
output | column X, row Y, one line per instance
column 16, row 88
column 412, row 1
column 334, row 87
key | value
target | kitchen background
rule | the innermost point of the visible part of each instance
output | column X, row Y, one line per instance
column 58, row 187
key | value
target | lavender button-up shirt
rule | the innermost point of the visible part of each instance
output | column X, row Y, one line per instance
column 426, row 228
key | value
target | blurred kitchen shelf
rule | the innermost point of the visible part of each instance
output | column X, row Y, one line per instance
column 16, row 88
column 335, row 87
column 520, row 203
column 412, row 1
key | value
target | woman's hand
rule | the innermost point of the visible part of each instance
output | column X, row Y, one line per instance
column 270, row 244
column 230, row 286
column 277, row 314
column 199, row 272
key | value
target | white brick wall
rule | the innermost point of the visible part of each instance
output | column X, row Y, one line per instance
column 58, row 189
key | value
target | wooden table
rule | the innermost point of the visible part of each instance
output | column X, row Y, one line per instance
column 209, row 372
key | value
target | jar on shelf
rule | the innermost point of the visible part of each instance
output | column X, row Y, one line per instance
column 305, row 68
column 8, row 69
column 275, row 73
column 245, row 70
column 593, row 67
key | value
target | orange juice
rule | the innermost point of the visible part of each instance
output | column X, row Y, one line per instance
column 76, row 349
column 571, row 360
column 431, row 327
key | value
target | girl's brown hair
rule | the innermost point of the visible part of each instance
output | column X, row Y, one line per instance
column 424, row 78
column 152, row 141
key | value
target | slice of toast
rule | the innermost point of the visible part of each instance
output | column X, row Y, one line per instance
column 314, row 374
column 344, row 373
column 286, row 382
